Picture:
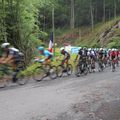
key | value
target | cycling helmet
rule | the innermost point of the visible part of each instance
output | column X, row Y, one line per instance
column 61, row 49
column 41, row 48
column 113, row 49
column 14, row 49
column 21, row 54
column 89, row 49
column 85, row 48
column 5, row 45
column 101, row 49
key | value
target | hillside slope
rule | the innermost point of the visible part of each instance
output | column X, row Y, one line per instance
column 104, row 34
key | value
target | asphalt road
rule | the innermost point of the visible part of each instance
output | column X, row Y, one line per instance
column 92, row 97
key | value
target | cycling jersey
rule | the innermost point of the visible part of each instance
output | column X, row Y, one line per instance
column 113, row 55
column 105, row 53
column 100, row 54
column 66, row 57
column 66, row 54
column 46, row 53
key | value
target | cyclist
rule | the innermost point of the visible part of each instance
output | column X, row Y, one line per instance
column 66, row 56
column 48, row 56
column 105, row 56
column 11, row 57
column 82, row 56
column 100, row 58
column 113, row 56
column 92, row 57
column 117, row 56
column 100, row 53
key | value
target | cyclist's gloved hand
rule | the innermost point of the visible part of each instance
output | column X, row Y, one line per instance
column 36, row 60
column 41, row 61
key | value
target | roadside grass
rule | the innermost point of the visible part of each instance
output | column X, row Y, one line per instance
column 56, row 61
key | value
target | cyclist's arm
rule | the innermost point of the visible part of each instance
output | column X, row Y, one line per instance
column 66, row 55
column 9, row 59
column 2, row 58
column 77, row 57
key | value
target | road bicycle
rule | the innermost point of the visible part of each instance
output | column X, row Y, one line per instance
column 113, row 65
column 64, row 69
column 91, row 66
column 43, row 71
column 100, row 65
column 81, row 68
column 9, row 76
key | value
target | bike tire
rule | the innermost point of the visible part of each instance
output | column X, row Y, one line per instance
column 2, row 83
column 77, row 71
column 69, row 69
column 113, row 67
column 59, row 70
column 22, row 79
column 39, row 74
column 53, row 72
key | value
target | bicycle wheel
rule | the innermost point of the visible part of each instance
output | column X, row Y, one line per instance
column 2, row 83
column 69, row 69
column 113, row 67
column 59, row 70
column 85, row 71
column 22, row 79
column 90, row 68
column 39, row 74
column 53, row 72
column 77, row 70
column 101, row 68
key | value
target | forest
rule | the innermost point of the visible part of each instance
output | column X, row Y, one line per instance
column 28, row 23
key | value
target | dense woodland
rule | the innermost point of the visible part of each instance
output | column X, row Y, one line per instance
column 25, row 23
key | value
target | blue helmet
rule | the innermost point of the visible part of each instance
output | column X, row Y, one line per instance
column 41, row 48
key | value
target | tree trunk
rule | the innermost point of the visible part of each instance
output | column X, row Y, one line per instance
column 72, row 20
column 92, row 16
column 3, row 22
column 115, row 8
column 104, row 14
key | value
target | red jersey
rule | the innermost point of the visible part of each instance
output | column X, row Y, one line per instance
column 113, row 53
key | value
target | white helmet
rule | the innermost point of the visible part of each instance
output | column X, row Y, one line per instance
column 14, row 49
column 4, row 45
column 61, row 49
column 89, row 49
column 101, row 49
column 113, row 49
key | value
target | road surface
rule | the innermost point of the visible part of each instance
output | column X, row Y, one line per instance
column 92, row 97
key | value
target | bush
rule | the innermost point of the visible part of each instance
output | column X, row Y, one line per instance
column 115, row 43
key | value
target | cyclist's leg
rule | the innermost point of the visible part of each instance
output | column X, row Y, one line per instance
column 16, row 70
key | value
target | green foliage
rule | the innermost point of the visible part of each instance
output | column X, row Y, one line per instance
column 115, row 43
column 26, row 24
column 30, row 70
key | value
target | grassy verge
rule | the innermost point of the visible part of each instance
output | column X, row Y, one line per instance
column 56, row 61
